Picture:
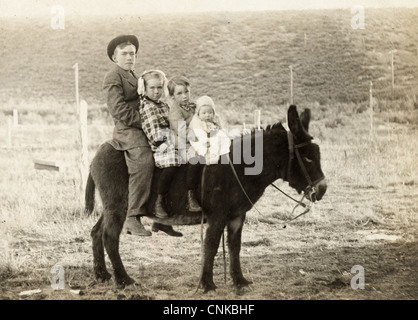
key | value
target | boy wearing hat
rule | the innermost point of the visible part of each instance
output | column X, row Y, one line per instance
column 120, row 86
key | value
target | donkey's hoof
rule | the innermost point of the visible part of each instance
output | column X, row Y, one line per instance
column 122, row 283
column 102, row 275
column 242, row 283
column 208, row 287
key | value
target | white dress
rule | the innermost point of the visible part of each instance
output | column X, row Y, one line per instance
column 208, row 140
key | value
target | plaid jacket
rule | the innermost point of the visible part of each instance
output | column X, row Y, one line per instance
column 154, row 118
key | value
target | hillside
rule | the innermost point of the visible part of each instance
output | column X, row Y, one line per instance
column 238, row 58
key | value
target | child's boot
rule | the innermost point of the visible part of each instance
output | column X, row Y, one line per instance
column 192, row 204
column 160, row 211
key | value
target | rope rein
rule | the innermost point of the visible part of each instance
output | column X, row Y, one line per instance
column 240, row 184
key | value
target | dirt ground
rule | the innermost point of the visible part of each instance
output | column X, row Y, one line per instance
column 299, row 262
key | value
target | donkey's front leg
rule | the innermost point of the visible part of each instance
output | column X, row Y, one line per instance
column 234, row 246
column 211, row 244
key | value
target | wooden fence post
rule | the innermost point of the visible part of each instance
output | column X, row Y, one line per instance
column 291, row 84
column 9, row 131
column 393, row 71
column 77, row 97
column 257, row 119
column 371, row 111
column 83, row 144
column 15, row 118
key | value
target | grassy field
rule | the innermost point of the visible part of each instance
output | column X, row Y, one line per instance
column 242, row 59
column 368, row 216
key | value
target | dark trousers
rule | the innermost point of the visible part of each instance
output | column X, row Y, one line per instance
column 140, row 162
column 194, row 171
column 166, row 177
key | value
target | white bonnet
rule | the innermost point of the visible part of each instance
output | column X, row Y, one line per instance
column 204, row 101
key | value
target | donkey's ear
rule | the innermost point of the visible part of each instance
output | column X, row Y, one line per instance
column 295, row 124
column 305, row 118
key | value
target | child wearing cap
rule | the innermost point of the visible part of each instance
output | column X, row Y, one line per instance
column 120, row 86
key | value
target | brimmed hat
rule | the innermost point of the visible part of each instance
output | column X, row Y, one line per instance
column 121, row 39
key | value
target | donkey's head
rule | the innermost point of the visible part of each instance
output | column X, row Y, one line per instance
column 304, row 169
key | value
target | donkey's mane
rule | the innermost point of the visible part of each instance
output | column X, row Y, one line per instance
column 268, row 129
column 277, row 125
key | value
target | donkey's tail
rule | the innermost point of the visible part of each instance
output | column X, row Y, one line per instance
column 89, row 196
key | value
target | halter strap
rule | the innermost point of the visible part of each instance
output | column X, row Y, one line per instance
column 293, row 149
column 291, row 152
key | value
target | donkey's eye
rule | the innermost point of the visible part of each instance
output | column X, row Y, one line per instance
column 307, row 159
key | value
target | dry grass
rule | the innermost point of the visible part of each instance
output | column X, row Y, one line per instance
column 371, row 190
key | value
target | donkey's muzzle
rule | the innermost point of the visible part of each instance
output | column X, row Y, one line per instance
column 321, row 188
column 316, row 192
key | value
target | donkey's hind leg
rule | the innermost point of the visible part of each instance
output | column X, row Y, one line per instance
column 234, row 245
column 100, row 271
column 211, row 244
column 112, row 227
